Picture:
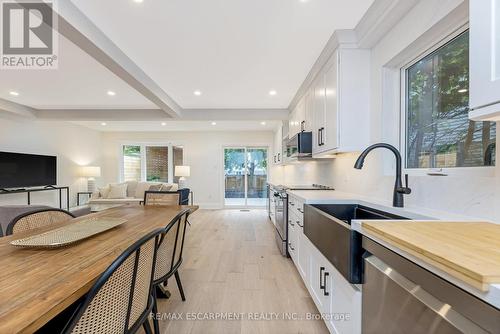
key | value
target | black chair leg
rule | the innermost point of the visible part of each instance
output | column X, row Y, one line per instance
column 162, row 292
column 147, row 327
column 179, row 285
column 155, row 313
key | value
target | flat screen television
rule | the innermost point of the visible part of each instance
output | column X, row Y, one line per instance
column 27, row 170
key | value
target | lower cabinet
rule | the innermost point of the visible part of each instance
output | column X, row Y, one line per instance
column 338, row 301
column 292, row 239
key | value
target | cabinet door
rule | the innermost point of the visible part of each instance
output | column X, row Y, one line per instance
column 278, row 143
column 292, row 239
column 292, row 129
column 304, row 253
column 309, row 112
column 319, row 113
column 484, row 54
column 345, row 304
column 316, row 282
column 330, row 133
column 300, row 116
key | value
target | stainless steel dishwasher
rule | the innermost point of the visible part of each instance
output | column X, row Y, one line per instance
column 402, row 297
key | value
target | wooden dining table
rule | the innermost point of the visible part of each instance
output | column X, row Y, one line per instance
column 38, row 284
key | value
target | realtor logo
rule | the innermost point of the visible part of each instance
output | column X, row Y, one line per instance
column 29, row 37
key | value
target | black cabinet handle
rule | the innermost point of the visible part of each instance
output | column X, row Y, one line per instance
column 279, row 157
column 302, row 126
column 300, row 210
column 321, row 269
column 319, row 137
column 290, row 245
column 291, row 223
column 324, row 285
column 292, row 204
column 299, row 224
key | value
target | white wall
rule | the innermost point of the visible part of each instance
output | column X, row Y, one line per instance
column 73, row 145
column 203, row 151
column 472, row 195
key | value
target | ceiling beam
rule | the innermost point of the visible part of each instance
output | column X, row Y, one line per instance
column 15, row 109
column 101, row 114
column 235, row 114
column 80, row 30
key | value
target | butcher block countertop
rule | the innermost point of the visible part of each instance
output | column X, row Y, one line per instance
column 468, row 251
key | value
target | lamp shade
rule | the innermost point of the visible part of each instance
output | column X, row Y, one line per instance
column 90, row 171
column 182, row 171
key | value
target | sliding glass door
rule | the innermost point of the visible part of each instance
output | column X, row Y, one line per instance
column 245, row 176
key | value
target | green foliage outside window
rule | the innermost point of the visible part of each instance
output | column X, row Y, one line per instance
column 439, row 132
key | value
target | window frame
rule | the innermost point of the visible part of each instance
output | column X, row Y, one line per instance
column 143, row 145
column 403, row 114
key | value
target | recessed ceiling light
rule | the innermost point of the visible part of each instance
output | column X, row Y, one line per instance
column 214, row 123
column 13, row 93
column 304, row 0
column 262, row 123
column 104, row 124
column 272, row 92
column 138, row 1
column 463, row 90
column 197, row 92
column 163, row 123
column 111, row 93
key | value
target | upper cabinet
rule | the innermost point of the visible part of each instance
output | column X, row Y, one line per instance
column 299, row 120
column 278, row 147
column 484, row 60
column 338, row 103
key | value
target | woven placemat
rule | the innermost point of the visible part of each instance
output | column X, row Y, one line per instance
column 68, row 234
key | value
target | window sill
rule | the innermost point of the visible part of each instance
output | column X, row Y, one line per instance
column 453, row 172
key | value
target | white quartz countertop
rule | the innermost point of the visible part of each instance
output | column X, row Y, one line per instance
column 339, row 197
column 492, row 296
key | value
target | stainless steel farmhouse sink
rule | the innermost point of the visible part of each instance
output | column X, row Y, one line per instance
column 328, row 226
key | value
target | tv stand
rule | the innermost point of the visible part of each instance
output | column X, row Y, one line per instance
column 28, row 192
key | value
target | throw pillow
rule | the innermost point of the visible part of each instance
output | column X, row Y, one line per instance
column 155, row 187
column 165, row 187
column 118, row 191
column 104, row 192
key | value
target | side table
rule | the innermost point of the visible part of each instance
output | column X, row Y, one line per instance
column 78, row 194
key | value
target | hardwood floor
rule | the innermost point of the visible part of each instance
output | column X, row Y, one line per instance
column 232, row 267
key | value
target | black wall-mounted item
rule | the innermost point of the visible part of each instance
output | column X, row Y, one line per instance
column 27, row 170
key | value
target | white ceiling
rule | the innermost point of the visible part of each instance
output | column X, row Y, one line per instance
column 234, row 51
column 147, row 126
column 78, row 82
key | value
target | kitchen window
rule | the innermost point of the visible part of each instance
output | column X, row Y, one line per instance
column 437, row 131
column 155, row 162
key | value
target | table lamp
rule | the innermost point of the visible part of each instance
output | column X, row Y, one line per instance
column 182, row 172
column 90, row 172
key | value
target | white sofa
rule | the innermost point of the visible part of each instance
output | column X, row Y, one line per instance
column 135, row 193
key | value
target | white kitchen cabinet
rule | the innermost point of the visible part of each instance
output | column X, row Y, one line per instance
column 345, row 304
column 316, row 283
column 298, row 121
column 341, row 104
column 337, row 299
column 484, row 36
column 319, row 111
column 278, row 147
column 292, row 239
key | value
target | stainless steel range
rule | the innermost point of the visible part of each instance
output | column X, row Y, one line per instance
column 278, row 210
